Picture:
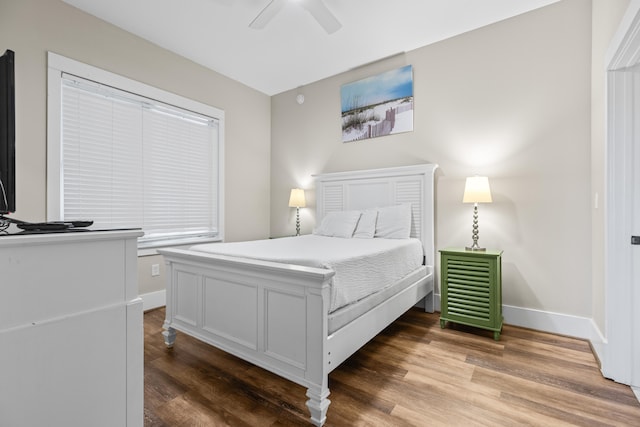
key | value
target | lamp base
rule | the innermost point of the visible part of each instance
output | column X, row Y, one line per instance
column 297, row 221
column 475, row 247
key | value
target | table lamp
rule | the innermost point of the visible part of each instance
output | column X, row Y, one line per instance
column 296, row 200
column 476, row 190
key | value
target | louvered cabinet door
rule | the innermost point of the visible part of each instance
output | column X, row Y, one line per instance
column 471, row 288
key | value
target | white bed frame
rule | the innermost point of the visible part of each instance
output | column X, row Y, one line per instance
column 276, row 315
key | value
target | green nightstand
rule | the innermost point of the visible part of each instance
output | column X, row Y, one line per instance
column 471, row 288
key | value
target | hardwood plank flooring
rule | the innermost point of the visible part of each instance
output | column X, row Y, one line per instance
column 413, row 374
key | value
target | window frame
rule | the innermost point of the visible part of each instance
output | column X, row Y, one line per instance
column 57, row 65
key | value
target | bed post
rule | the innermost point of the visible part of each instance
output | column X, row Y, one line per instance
column 169, row 335
column 318, row 404
column 318, row 354
column 428, row 231
column 429, row 304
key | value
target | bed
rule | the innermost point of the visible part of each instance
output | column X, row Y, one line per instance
column 282, row 312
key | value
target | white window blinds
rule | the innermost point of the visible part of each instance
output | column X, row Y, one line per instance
column 130, row 161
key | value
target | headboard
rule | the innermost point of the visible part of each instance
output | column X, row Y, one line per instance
column 377, row 188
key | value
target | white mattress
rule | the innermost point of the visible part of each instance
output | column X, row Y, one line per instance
column 362, row 266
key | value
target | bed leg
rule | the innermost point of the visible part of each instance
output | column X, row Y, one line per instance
column 429, row 303
column 169, row 335
column 318, row 404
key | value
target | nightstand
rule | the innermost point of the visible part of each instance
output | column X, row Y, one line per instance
column 471, row 288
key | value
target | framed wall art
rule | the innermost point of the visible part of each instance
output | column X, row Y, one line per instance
column 378, row 105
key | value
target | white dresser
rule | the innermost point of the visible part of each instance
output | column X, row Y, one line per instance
column 71, row 330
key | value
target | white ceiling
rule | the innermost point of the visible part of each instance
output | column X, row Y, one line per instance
column 293, row 49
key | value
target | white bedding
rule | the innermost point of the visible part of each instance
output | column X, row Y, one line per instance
column 362, row 266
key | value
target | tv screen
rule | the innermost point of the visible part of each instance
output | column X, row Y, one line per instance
column 7, row 134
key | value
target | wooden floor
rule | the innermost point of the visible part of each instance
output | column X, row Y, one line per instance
column 412, row 374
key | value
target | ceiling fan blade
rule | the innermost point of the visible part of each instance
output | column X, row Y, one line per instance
column 323, row 15
column 267, row 14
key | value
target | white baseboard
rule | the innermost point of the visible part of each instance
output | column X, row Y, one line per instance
column 153, row 300
column 556, row 323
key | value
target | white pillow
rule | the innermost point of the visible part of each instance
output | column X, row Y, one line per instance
column 394, row 222
column 338, row 224
column 366, row 227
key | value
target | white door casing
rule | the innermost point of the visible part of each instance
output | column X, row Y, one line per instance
column 621, row 357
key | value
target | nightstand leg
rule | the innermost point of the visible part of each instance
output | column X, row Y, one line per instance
column 496, row 335
column 442, row 322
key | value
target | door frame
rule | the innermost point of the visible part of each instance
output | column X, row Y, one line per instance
column 622, row 322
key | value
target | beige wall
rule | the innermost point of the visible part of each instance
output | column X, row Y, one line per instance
column 606, row 18
column 33, row 27
column 511, row 101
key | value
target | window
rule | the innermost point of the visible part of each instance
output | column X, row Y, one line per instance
column 125, row 155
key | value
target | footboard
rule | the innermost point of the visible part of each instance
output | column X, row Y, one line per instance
column 270, row 314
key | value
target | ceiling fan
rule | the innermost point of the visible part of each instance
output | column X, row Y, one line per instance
column 316, row 8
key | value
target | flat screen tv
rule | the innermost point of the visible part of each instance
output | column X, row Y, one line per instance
column 7, row 134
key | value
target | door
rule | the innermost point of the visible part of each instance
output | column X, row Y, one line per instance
column 621, row 358
column 635, row 229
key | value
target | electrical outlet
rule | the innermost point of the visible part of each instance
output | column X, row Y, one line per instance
column 155, row 269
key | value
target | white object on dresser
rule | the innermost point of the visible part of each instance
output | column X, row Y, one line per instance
column 71, row 330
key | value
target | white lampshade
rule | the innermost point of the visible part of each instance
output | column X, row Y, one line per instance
column 296, row 200
column 477, row 190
